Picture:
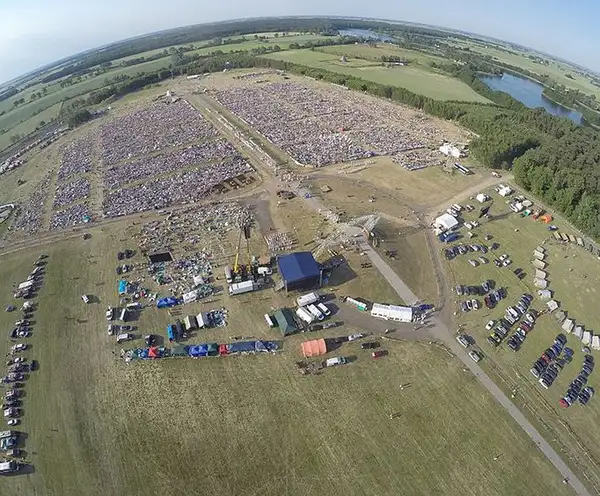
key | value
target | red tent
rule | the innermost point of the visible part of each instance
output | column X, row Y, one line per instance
column 223, row 349
column 153, row 352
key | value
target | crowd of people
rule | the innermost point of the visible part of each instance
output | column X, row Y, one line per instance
column 120, row 175
column 161, row 125
column 318, row 127
column 71, row 216
column 67, row 193
column 29, row 219
column 77, row 157
column 177, row 189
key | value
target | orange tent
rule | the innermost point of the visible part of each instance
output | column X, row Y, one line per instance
column 547, row 218
column 315, row 347
column 153, row 352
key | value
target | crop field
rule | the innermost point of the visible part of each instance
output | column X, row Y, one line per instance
column 574, row 276
column 371, row 52
column 29, row 125
column 415, row 79
column 98, row 426
column 555, row 70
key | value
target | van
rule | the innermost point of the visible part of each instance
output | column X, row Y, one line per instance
column 125, row 337
column 332, row 362
column 305, row 315
column 315, row 311
column 324, row 309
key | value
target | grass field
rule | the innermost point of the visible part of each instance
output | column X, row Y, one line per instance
column 247, row 424
column 415, row 79
column 555, row 70
column 574, row 275
column 371, row 52
column 29, row 125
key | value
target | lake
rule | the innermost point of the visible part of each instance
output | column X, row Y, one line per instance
column 529, row 93
column 365, row 33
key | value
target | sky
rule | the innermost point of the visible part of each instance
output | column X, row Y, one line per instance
column 37, row 32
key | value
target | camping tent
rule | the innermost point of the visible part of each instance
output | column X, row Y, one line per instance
column 212, row 349
column 578, row 332
column 587, row 338
column 122, row 287
column 154, row 352
column 446, row 222
column 596, row 342
column 538, row 264
column 540, row 274
column 241, row 347
column 481, row 198
column 568, row 325
column 285, row 321
column 178, row 350
column 167, row 302
column 315, row 347
column 540, row 283
column 223, row 349
column 171, row 332
column 539, row 255
column 544, row 294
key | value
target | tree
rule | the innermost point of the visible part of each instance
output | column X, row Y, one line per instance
column 15, row 137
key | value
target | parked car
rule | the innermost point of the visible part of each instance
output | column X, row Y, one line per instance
column 125, row 328
column 475, row 356
column 475, row 304
column 369, row 345
column 354, row 337
column 463, row 340
column 490, row 324
column 332, row 362
column 378, row 354
column 125, row 337
column 13, row 421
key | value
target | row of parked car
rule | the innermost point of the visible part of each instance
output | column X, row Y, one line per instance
column 480, row 289
column 547, row 367
column 511, row 317
column 515, row 341
column 454, row 251
column 578, row 391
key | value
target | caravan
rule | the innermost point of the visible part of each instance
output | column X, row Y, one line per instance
column 315, row 312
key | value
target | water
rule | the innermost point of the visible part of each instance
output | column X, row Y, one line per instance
column 365, row 33
column 529, row 93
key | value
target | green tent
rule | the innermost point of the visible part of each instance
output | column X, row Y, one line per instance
column 178, row 350
column 285, row 321
column 213, row 349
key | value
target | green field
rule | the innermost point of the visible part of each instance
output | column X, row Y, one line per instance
column 247, row 424
column 555, row 70
column 29, row 125
column 375, row 52
column 574, row 278
column 415, row 79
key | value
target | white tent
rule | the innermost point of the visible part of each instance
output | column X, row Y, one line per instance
column 539, row 255
column 578, row 331
column 587, row 338
column 446, row 222
column 505, row 191
column 540, row 283
column 540, row 274
column 392, row 312
column 540, row 248
column 482, row 198
column 198, row 280
column 544, row 294
column 596, row 342
column 552, row 305
column 190, row 322
column 202, row 319
column 568, row 325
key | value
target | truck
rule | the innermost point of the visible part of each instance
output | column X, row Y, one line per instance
column 308, row 299
column 305, row 315
column 228, row 274
column 315, row 311
column 241, row 287
column 332, row 362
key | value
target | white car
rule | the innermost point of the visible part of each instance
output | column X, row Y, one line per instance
column 490, row 324
column 475, row 356
column 354, row 337
column 19, row 347
column 13, row 421
column 503, row 257
column 506, row 262
column 475, row 304
column 474, row 263
column 85, row 298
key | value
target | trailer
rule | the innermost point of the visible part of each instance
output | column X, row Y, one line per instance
column 308, row 299
column 228, row 274
column 305, row 315
column 241, row 288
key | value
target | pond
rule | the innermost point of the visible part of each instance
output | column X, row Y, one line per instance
column 365, row 33
column 529, row 93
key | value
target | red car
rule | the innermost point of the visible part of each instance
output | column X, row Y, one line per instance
column 378, row 353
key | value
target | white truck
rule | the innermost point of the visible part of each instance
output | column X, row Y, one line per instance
column 305, row 315
column 316, row 312
column 241, row 288
column 308, row 299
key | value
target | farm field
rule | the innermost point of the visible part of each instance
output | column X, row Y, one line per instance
column 555, row 70
column 375, row 52
column 574, row 276
column 29, row 125
column 97, row 426
column 415, row 79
